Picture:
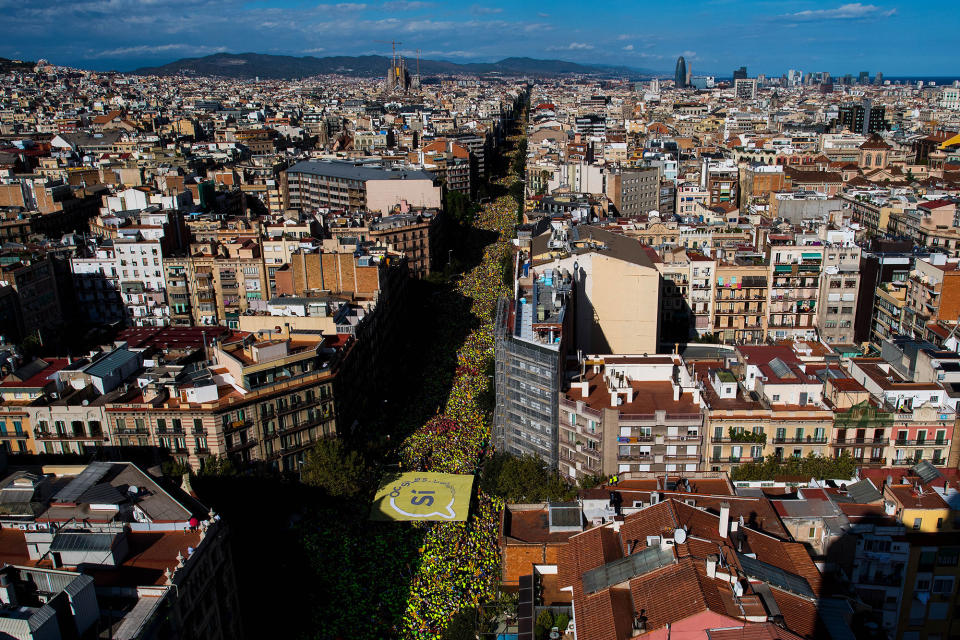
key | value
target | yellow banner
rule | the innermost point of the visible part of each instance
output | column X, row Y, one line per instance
column 423, row 495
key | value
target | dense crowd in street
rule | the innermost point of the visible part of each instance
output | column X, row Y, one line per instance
column 459, row 561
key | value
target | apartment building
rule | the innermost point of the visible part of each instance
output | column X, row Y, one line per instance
column 688, row 196
column 215, row 283
column 931, row 225
column 922, row 415
column 767, row 404
column 312, row 185
column 532, row 336
column 740, row 301
column 932, row 294
column 34, row 300
column 417, row 236
column 794, row 290
column 142, row 285
column 838, row 291
column 615, row 285
column 635, row 191
column 96, row 284
column 630, row 413
column 148, row 564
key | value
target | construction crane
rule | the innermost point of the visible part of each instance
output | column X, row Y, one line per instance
column 394, row 43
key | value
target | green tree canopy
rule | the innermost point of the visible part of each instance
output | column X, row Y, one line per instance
column 811, row 466
column 339, row 471
column 524, row 479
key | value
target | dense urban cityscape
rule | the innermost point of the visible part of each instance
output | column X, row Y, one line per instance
column 514, row 351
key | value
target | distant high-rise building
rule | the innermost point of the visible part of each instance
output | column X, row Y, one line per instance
column 862, row 118
column 745, row 88
column 878, row 79
column 740, row 74
column 864, row 77
column 655, row 85
column 680, row 74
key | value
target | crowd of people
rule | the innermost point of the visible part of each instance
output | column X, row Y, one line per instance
column 460, row 561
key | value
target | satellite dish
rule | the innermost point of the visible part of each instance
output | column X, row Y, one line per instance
column 133, row 490
column 679, row 536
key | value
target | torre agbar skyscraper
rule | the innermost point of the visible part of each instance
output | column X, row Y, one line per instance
column 680, row 75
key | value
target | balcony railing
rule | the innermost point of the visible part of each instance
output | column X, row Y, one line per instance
column 734, row 460
column 55, row 435
column 855, row 441
column 806, row 440
column 131, row 431
column 918, row 443
column 241, row 445
column 904, row 462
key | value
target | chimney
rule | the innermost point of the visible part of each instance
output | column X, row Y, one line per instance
column 712, row 566
column 724, row 519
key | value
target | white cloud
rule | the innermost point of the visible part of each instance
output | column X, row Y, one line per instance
column 349, row 6
column 406, row 5
column 629, row 47
column 541, row 14
column 850, row 11
column 314, row 50
column 573, row 46
column 480, row 10
column 146, row 49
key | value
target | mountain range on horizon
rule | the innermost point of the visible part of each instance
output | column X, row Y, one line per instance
column 249, row 65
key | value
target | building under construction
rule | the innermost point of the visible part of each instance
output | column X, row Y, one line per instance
column 398, row 78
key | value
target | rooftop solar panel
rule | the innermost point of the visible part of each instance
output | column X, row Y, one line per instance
column 863, row 492
column 90, row 476
column 780, row 369
column 775, row 576
column 926, row 471
column 624, row 569
column 82, row 541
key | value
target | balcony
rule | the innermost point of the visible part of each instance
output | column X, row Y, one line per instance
column 682, row 457
column 636, row 458
column 239, row 446
column 807, row 440
column 684, row 438
column 904, row 462
column 734, row 460
column 861, row 441
column 880, row 580
column 54, row 435
column 918, row 443
column 131, row 431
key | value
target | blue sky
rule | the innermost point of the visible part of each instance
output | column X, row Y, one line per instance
column 715, row 36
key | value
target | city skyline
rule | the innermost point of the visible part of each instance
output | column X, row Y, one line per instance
column 838, row 37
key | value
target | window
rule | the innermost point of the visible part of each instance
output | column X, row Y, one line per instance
column 573, row 419
column 943, row 584
column 812, row 533
column 916, row 523
column 947, row 557
column 197, row 424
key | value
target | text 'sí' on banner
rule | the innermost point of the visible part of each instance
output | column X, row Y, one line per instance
column 442, row 497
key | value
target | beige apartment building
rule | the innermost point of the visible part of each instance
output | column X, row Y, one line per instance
column 617, row 287
column 215, row 284
column 630, row 413
column 794, row 290
column 740, row 302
